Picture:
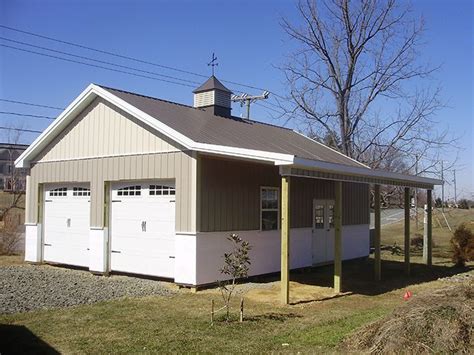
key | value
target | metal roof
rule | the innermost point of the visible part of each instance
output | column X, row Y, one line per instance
column 204, row 127
column 211, row 84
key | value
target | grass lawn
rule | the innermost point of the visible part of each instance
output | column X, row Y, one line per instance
column 181, row 322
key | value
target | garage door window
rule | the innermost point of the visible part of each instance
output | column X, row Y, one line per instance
column 159, row 190
column 60, row 191
column 130, row 191
column 81, row 191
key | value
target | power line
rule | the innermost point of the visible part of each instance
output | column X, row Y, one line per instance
column 109, row 63
column 101, row 51
column 26, row 115
column 130, row 58
column 93, row 65
column 31, row 104
column 99, row 61
column 20, row 129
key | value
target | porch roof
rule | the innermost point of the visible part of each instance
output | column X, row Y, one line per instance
column 338, row 172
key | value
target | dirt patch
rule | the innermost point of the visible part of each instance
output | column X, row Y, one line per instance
column 300, row 293
column 436, row 321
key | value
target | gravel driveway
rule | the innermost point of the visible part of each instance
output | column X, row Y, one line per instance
column 28, row 287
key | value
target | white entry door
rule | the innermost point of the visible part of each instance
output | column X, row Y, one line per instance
column 323, row 231
column 66, row 224
column 143, row 228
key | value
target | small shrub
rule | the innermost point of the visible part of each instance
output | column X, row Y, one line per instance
column 438, row 203
column 236, row 265
column 462, row 243
column 463, row 204
column 10, row 235
column 417, row 242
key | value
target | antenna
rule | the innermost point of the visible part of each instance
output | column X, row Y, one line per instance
column 213, row 63
column 248, row 99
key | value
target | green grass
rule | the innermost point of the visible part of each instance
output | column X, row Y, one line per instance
column 181, row 323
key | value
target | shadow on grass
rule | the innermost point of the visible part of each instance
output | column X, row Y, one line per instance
column 17, row 339
column 358, row 276
column 279, row 317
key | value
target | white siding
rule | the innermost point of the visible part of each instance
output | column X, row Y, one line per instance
column 265, row 253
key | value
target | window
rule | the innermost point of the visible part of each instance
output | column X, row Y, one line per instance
column 269, row 208
column 130, row 191
column 319, row 216
column 159, row 190
column 331, row 216
column 81, row 191
column 60, row 191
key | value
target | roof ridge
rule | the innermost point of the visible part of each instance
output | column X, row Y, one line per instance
column 149, row 97
column 194, row 108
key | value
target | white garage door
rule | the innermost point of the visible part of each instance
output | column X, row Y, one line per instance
column 143, row 228
column 66, row 224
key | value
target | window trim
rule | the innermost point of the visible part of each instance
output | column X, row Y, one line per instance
column 269, row 209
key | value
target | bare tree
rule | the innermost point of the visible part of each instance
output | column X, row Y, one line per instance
column 14, row 182
column 356, row 83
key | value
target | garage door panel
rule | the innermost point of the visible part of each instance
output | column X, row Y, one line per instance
column 136, row 264
column 66, row 225
column 143, row 229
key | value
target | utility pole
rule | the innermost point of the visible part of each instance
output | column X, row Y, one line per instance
column 416, row 195
column 455, row 191
column 249, row 99
column 442, row 186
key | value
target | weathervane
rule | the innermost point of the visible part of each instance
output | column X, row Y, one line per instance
column 213, row 63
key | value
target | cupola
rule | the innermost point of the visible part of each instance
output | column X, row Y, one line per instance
column 214, row 97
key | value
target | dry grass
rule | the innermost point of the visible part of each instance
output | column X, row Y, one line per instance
column 440, row 321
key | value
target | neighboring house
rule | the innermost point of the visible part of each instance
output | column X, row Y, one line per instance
column 129, row 183
column 9, row 178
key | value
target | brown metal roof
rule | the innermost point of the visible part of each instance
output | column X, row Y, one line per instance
column 204, row 127
column 211, row 84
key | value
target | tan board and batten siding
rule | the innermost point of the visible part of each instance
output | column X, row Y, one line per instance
column 103, row 130
column 105, row 144
column 229, row 198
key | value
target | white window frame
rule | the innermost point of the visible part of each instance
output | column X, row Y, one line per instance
column 277, row 189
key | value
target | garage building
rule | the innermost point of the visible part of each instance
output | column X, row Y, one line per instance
column 129, row 183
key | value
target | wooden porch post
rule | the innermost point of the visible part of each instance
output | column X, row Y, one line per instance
column 338, row 238
column 428, row 241
column 285, row 239
column 407, row 231
column 377, row 234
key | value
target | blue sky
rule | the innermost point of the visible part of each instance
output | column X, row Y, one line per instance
column 245, row 35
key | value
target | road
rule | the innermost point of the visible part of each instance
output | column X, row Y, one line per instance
column 388, row 216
